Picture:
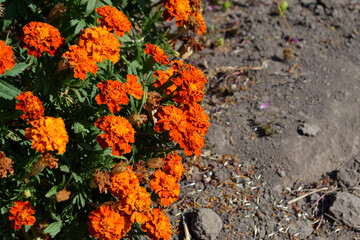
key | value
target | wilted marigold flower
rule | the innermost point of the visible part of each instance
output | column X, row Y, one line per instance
column 180, row 9
column 113, row 93
column 132, row 87
column 100, row 44
column 6, row 57
column 39, row 37
column 63, row 195
column 114, row 19
column 158, row 226
column 31, row 105
column 80, row 61
column 46, row 160
column 157, row 53
column 48, row 134
column 106, row 224
column 21, row 214
column 166, row 186
column 5, row 165
column 173, row 166
column 102, row 180
column 122, row 183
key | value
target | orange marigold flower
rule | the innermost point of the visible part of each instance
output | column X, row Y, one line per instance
column 106, row 224
column 173, row 166
column 114, row 19
column 192, row 142
column 80, row 61
column 172, row 119
column 48, row 134
column 39, row 37
column 113, row 93
column 6, row 57
column 163, row 77
column 136, row 204
column 31, row 105
column 102, row 180
column 122, row 183
column 180, row 9
column 201, row 26
column 21, row 214
column 157, row 53
column 5, row 165
column 100, row 44
column 158, row 227
column 118, row 134
column 132, row 87
column 197, row 118
column 166, row 186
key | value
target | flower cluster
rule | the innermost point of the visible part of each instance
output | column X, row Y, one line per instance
column 157, row 53
column 118, row 134
column 5, row 165
column 31, row 105
column 114, row 19
column 21, row 214
column 6, row 57
column 39, row 37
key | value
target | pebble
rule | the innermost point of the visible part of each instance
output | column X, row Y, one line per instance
column 346, row 208
column 308, row 130
column 206, row 224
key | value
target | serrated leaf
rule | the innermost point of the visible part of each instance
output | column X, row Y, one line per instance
column 16, row 70
column 51, row 192
column 79, row 26
column 78, row 127
column 77, row 178
column 8, row 91
column 90, row 6
column 27, row 228
column 65, row 168
column 53, row 229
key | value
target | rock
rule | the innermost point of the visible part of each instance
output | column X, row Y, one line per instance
column 206, row 224
column 308, row 130
column 305, row 229
column 281, row 172
column 346, row 208
column 350, row 177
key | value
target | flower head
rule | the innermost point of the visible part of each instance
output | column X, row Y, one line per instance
column 157, row 53
column 5, row 165
column 106, row 224
column 122, row 183
column 31, row 105
column 113, row 93
column 39, row 37
column 163, row 77
column 118, row 134
column 114, row 19
column 132, row 87
column 197, row 118
column 21, row 214
column 158, row 226
column 173, row 166
column 102, row 180
column 166, row 186
column 6, row 57
column 46, row 160
column 180, row 9
column 192, row 142
column 100, row 44
column 80, row 61
column 48, row 134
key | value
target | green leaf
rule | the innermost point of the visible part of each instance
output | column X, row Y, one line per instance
column 79, row 26
column 51, row 192
column 90, row 6
column 27, row 228
column 77, row 178
column 53, row 229
column 16, row 70
column 65, row 168
column 8, row 91
column 107, row 2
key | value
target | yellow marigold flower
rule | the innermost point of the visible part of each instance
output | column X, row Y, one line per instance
column 31, row 105
column 173, row 166
column 114, row 19
column 157, row 53
column 39, row 37
column 158, row 226
column 80, row 61
column 166, row 186
column 21, row 214
column 5, row 165
column 180, row 9
column 48, row 134
column 6, row 57
column 106, row 224
column 100, row 44
column 122, row 183
column 113, row 93
column 118, row 134
column 132, row 87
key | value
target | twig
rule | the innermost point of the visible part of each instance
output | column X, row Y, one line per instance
column 186, row 229
column 307, row 194
column 323, row 196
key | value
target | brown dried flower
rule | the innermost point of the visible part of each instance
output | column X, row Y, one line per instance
column 119, row 168
column 5, row 165
column 156, row 163
column 102, row 180
column 63, row 195
column 137, row 119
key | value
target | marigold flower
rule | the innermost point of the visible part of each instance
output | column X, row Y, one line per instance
column 48, row 134
column 46, row 160
column 180, row 9
column 39, row 37
column 197, row 118
column 166, row 186
column 106, row 224
column 102, row 180
column 192, row 142
column 158, row 227
column 31, row 105
column 113, row 93
column 100, row 44
column 118, row 134
column 163, row 77
column 157, row 53
column 114, row 19
column 80, row 61
column 132, row 87
column 5, row 165
column 122, row 183
column 21, row 214
column 173, row 166
column 137, row 119
column 200, row 27
column 6, row 57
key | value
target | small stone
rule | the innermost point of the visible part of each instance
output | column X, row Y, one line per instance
column 281, row 172
column 308, row 130
column 346, row 208
column 206, row 224
column 305, row 229
column 349, row 177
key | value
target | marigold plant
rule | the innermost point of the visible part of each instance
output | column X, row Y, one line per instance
column 6, row 57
